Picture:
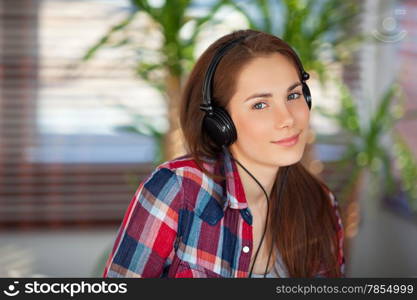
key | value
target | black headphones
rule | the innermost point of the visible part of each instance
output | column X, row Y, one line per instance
column 217, row 122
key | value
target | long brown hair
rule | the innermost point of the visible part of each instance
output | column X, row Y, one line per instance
column 304, row 225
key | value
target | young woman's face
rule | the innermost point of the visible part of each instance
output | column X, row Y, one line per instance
column 269, row 106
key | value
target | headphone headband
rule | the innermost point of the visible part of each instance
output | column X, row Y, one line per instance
column 208, row 79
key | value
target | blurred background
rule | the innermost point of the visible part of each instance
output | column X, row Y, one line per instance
column 89, row 93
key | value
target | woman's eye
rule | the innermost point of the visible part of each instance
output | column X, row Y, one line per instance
column 293, row 96
column 258, row 105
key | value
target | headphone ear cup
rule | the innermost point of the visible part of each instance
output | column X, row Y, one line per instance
column 219, row 127
column 307, row 95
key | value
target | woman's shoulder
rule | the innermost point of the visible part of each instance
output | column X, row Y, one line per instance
column 334, row 204
column 175, row 175
column 339, row 227
column 331, row 195
column 186, row 166
column 181, row 178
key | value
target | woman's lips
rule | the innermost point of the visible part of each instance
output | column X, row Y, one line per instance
column 289, row 141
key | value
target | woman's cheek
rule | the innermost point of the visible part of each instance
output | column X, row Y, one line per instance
column 302, row 117
column 255, row 129
column 246, row 131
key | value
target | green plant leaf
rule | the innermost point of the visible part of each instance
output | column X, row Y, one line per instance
column 105, row 39
column 407, row 166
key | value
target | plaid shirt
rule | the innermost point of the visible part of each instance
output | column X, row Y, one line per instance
column 178, row 197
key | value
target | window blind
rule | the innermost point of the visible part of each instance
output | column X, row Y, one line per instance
column 61, row 159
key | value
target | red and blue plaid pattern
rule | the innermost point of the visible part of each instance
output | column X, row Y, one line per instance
column 211, row 218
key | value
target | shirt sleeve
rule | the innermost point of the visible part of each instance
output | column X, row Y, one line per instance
column 146, row 236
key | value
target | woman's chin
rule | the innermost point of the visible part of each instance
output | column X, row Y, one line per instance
column 287, row 159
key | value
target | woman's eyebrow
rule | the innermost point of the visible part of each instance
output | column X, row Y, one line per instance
column 293, row 86
column 259, row 95
column 266, row 95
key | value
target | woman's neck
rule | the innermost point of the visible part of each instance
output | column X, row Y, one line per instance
column 264, row 174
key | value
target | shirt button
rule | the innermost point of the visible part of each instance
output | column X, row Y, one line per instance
column 246, row 249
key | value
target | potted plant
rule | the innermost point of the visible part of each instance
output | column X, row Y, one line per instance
column 371, row 147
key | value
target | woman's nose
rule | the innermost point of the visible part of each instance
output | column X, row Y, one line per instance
column 283, row 117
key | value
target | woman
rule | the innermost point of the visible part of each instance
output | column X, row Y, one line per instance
column 239, row 203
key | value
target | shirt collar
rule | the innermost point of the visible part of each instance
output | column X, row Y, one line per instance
column 235, row 194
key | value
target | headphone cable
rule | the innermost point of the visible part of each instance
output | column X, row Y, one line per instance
column 267, row 217
column 266, row 221
column 279, row 201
